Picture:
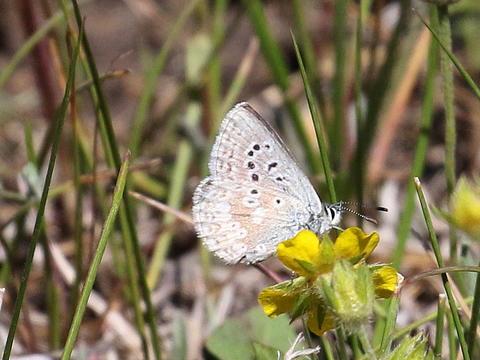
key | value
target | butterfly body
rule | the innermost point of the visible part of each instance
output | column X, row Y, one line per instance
column 256, row 195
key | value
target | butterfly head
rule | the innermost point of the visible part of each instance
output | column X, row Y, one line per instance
column 334, row 213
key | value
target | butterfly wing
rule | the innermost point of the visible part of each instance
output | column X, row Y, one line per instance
column 256, row 196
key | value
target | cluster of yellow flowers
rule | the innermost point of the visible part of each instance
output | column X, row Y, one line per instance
column 335, row 286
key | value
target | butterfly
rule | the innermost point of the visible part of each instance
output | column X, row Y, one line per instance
column 256, row 195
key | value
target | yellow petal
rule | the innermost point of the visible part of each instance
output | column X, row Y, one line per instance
column 278, row 299
column 300, row 253
column 465, row 206
column 353, row 243
column 386, row 281
column 320, row 319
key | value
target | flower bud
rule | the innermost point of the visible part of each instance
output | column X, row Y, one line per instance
column 412, row 348
column 350, row 293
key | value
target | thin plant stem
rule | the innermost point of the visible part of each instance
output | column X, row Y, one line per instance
column 318, row 126
column 341, row 344
column 113, row 156
column 92, row 273
column 28, row 45
column 358, row 98
column 453, row 58
column 472, row 331
column 440, row 321
column 327, row 348
column 445, row 280
column 175, row 196
column 337, row 124
column 146, row 98
column 308, row 52
column 308, row 337
column 452, row 339
column 450, row 125
column 392, row 313
column 355, row 344
column 278, row 67
column 37, row 229
column 367, row 347
column 403, row 230
column 376, row 97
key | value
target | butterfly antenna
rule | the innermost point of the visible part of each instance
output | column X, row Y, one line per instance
column 363, row 206
column 367, row 218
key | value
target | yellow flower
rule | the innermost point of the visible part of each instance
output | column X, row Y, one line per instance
column 306, row 255
column 354, row 244
column 286, row 297
column 465, row 206
column 386, row 281
column 280, row 298
column 327, row 272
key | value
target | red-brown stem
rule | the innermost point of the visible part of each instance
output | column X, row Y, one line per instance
column 269, row 273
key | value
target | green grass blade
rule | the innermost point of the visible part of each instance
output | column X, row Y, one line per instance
column 37, row 230
column 238, row 81
column 337, row 124
column 92, row 273
column 308, row 52
column 175, row 196
column 392, row 313
column 445, row 280
column 472, row 331
column 403, row 230
column 146, row 98
column 32, row 157
column 113, row 155
column 450, row 123
column 382, row 81
column 376, row 96
column 279, row 71
column 468, row 79
column 452, row 339
column 28, row 46
column 318, row 125
column 437, row 349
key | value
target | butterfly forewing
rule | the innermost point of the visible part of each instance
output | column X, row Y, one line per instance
column 256, row 195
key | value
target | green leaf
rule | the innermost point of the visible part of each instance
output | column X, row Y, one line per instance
column 250, row 335
column 263, row 352
column 277, row 332
column 230, row 341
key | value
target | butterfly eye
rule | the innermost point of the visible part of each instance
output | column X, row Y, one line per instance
column 332, row 213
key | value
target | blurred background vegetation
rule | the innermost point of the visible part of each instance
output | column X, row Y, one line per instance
column 390, row 109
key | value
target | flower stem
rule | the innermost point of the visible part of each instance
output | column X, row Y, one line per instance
column 367, row 347
column 342, row 351
column 446, row 282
